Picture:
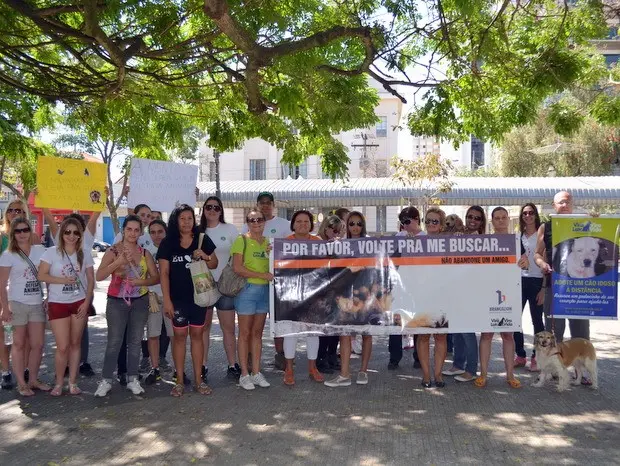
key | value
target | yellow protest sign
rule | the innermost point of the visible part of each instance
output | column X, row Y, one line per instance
column 70, row 184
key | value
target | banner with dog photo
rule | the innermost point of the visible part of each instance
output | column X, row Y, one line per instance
column 382, row 286
column 585, row 266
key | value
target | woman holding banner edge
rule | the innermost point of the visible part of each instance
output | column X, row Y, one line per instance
column 301, row 226
column 499, row 220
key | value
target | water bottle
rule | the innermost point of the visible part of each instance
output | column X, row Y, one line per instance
column 8, row 333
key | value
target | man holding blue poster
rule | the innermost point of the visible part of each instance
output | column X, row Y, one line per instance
column 562, row 204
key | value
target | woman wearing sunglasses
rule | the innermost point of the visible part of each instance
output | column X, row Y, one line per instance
column 15, row 209
column 22, row 304
column 69, row 274
column 330, row 229
column 355, row 228
column 223, row 236
column 531, row 281
column 465, row 360
column 435, row 222
column 132, row 269
column 500, row 221
column 251, row 260
column 302, row 224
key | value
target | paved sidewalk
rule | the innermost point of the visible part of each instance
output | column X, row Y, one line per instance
column 390, row 421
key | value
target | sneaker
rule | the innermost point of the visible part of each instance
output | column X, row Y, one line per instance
column 356, row 346
column 135, row 387
column 362, row 378
column 246, row 382
column 7, row 381
column 103, row 388
column 520, row 362
column 186, row 380
column 464, row 378
column 152, row 377
column 145, row 365
column 453, row 371
column 339, row 381
column 259, row 379
column 204, row 374
column 233, row 372
column 533, row 365
column 164, row 365
column 122, row 379
column 279, row 361
column 86, row 370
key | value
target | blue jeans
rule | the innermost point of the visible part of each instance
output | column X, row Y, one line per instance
column 252, row 299
column 466, row 352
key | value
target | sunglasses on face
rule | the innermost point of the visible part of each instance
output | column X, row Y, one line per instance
column 14, row 211
column 256, row 220
column 407, row 221
column 477, row 218
column 215, row 208
column 22, row 230
column 72, row 232
column 528, row 213
column 431, row 222
column 359, row 224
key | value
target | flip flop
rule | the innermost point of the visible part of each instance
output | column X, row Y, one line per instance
column 481, row 381
column 514, row 383
column 24, row 390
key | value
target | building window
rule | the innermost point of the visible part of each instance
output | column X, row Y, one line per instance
column 211, row 171
column 477, row 153
column 258, row 169
column 295, row 171
column 382, row 127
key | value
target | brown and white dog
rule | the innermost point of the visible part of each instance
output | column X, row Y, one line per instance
column 454, row 224
column 555, row 358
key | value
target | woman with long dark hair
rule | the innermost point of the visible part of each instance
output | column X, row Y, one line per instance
column 69, row 274
column 531, row 281
column 175, row 253
column 133, row 270
column 223, row 236
column 21, row 296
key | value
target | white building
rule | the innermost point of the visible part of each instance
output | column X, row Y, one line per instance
column 370, row 151
column 472, row 154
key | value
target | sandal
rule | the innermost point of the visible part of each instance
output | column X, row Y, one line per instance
column 514, row 383
column 57, row 391
column 74, row 389
column 204, row 389
column 481, row 381
column 426, row 384
column 440, row 384
column 177, row 390
column 38, row 385
column 289, row 378
column 24, row 390
column 315, row 375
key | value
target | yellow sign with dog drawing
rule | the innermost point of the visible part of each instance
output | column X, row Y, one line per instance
column 70, row 184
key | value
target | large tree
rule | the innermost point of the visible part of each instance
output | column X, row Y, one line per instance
column 261, row 68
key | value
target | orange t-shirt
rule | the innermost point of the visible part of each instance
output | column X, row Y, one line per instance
column 311, row 237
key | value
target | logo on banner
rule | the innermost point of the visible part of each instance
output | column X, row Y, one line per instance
column 500, row 299
column 587, row 227
column 501, row 322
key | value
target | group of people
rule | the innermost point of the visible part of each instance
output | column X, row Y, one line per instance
column 151, row 288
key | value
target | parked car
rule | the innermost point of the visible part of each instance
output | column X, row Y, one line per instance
column 100, row 246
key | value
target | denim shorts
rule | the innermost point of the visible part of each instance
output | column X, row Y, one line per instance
column 252, row 299
column 225, row 303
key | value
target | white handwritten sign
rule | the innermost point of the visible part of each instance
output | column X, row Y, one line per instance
column 162, row 185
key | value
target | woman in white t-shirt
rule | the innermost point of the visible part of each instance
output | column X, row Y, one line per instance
column 223, row 236
column 71, row 279
column 22, row 304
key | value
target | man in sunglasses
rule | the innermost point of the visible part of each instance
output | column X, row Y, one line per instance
column 409, row 223
column 275, row 227
column 579, row 328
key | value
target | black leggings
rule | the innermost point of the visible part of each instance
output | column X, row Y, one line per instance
column 530, row 287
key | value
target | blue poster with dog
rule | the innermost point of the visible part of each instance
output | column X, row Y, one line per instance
column 585, row 266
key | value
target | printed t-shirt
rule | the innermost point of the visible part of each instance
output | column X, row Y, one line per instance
column 223, row 236
column 277, row 227
column 255, row 257
column 87, row 241
column 24, row 287
column 67, row 266
column 181, row 285
column 119, row 287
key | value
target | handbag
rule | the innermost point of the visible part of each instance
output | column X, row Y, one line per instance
column 205, row 290
column 230, row 283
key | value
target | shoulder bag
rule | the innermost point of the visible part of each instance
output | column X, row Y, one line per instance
column 230, row 283
column 205, row 290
